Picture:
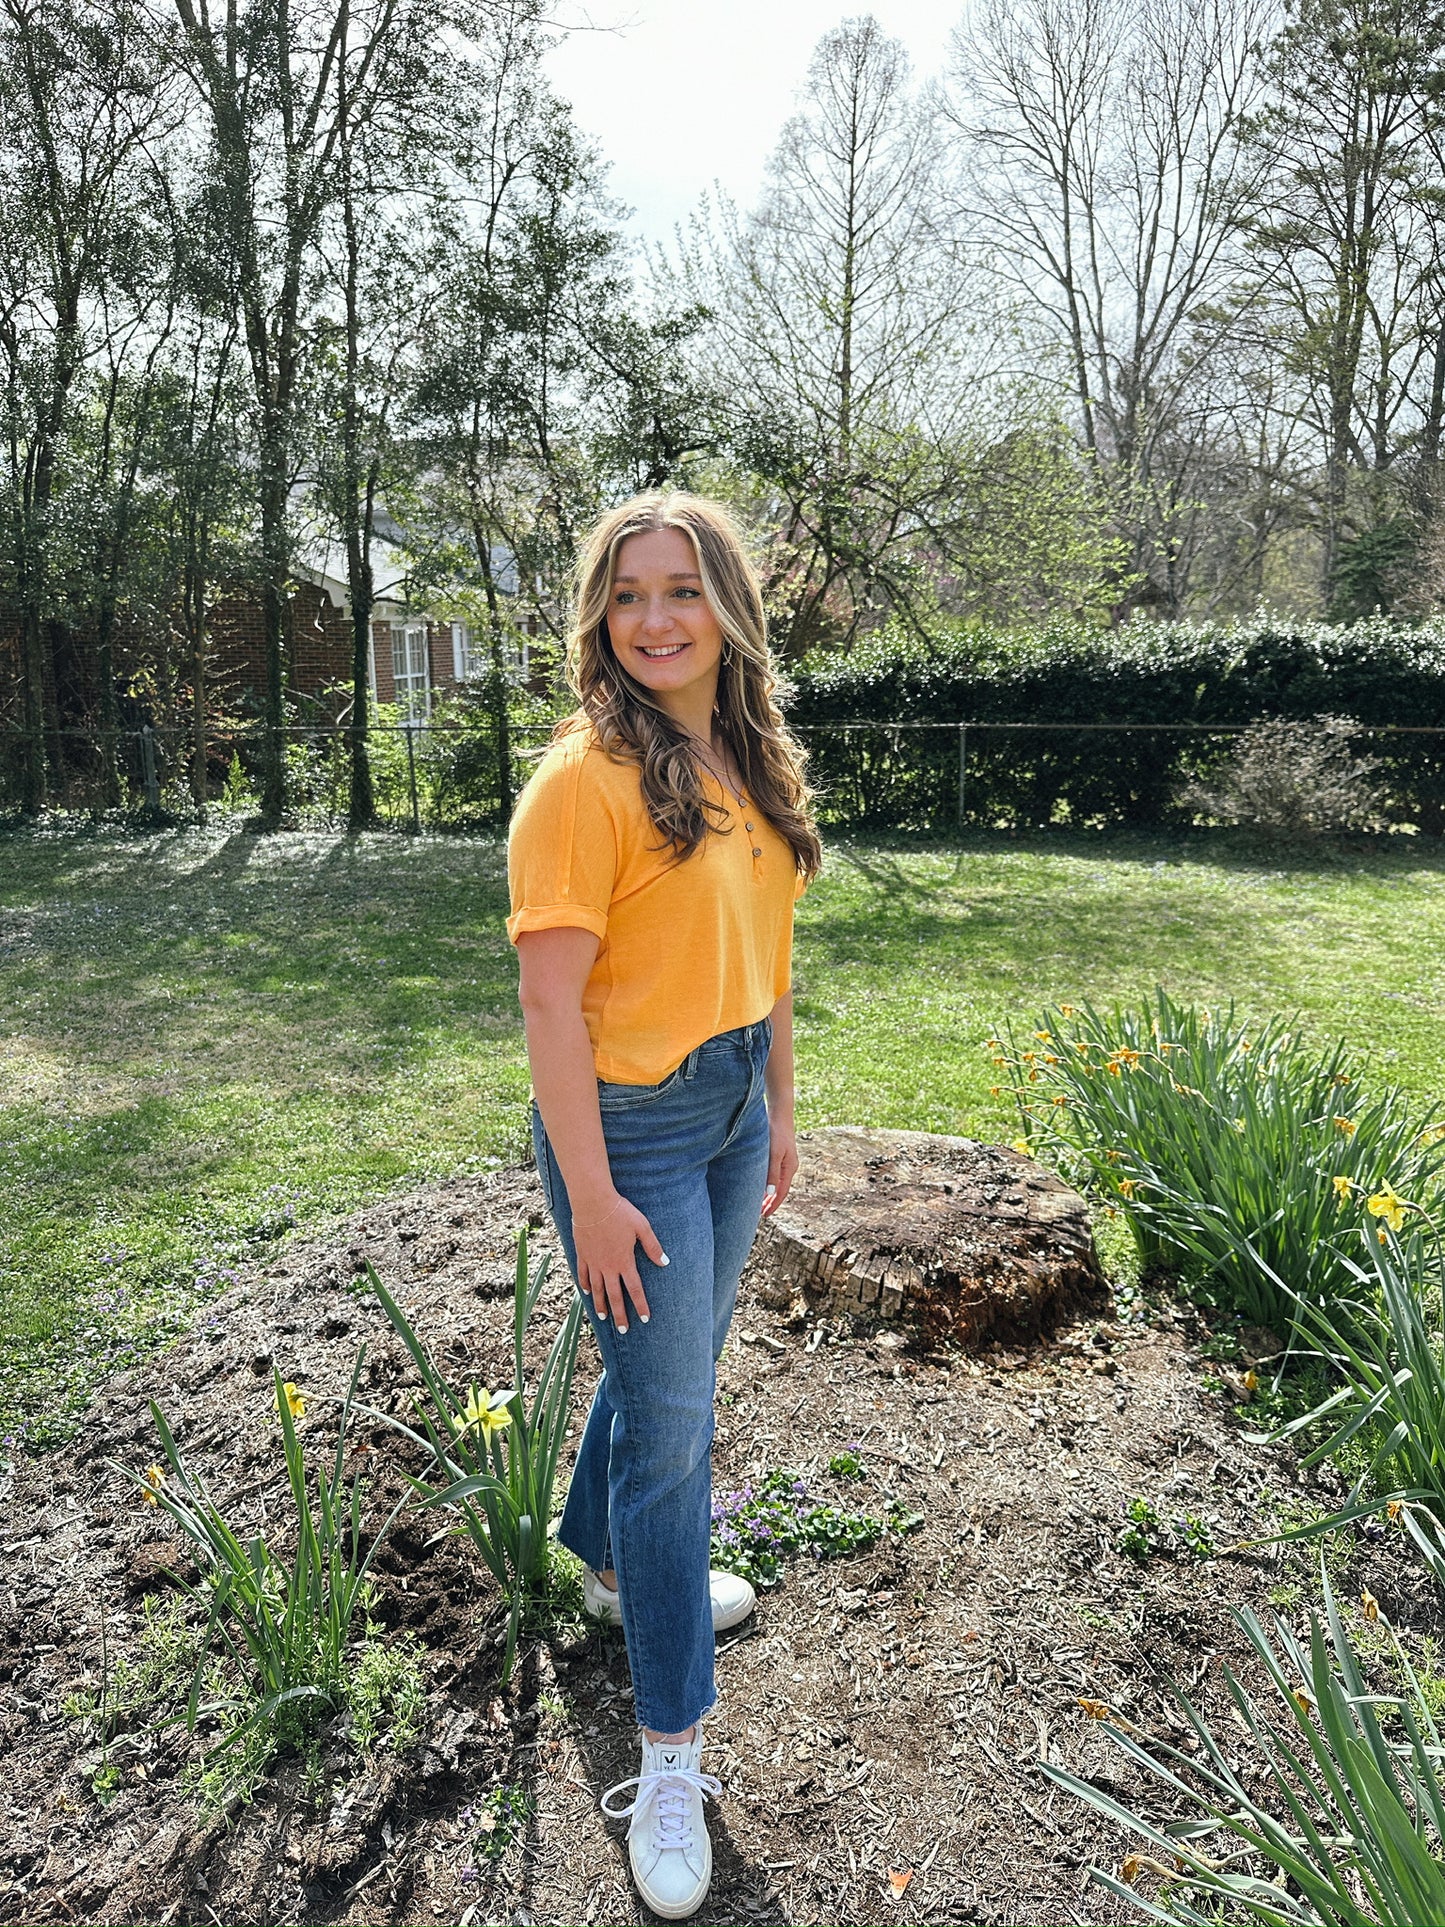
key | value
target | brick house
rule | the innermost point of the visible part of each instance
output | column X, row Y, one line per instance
column 416, row 657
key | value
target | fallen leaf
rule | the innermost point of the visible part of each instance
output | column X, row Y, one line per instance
column 898, row 1882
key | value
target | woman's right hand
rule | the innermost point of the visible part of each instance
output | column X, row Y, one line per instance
column 606, row 1240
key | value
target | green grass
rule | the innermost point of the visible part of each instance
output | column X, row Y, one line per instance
column 209, row 1038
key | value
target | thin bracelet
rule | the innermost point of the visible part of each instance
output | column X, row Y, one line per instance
column 584, row 1224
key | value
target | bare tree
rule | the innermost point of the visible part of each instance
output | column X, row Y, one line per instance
column 1103, row 170
column 840, row 320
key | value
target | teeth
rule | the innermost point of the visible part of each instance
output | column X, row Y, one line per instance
column 658, row 655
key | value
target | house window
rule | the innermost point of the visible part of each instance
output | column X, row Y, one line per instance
column 466, row 663
column 409, row 669
column 469, row 655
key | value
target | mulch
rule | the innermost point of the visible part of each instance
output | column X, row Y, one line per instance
column 881, row 1721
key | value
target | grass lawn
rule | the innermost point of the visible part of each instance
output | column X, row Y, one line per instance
column 210, row 1037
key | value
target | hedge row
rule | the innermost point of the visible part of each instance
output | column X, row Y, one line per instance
column 1376, row 671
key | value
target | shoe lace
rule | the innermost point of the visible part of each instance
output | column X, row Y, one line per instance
column 662, row 1797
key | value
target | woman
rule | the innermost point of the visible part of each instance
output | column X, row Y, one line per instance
column 655, row 858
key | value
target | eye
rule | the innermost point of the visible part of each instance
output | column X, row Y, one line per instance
column 624, row 595
column 691, row 594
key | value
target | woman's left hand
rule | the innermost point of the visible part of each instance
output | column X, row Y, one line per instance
column 782, row 1163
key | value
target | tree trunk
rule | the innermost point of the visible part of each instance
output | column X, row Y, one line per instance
column 970, row 1241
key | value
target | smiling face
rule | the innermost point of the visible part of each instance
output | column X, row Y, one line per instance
column 662, row 626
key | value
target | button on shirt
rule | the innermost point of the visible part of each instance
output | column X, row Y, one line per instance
column 686, row 949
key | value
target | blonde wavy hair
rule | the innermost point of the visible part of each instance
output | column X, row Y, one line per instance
column 632, row 726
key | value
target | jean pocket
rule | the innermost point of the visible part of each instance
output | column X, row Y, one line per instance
column 617, row 1097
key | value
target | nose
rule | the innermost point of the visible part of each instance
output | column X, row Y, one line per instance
column 658, row 619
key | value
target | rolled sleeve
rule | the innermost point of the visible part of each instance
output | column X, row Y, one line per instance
column 563, row 851
column 556, row 916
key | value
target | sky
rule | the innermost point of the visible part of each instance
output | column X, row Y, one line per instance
column 679, row 94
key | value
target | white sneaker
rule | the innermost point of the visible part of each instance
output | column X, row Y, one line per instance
column 732, row 1600
column 668, row 1843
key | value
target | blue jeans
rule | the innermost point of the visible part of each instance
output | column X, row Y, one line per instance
column 692, row 1154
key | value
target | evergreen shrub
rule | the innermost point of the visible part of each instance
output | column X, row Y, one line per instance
column 1175, row 676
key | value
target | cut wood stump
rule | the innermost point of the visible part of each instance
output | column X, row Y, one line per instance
column 973, row 1241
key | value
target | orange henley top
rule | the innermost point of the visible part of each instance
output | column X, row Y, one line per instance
column 686, row 949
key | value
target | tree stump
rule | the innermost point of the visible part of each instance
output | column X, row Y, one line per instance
column 973, row 1241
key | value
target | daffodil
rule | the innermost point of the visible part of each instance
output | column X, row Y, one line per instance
column 1044, row 1036
column 1124, row 1055
column 1021, row 1145
column 295, row 1403
column 1251, row 1381
column 995, row 1090
column 488, row 1411
column 1128, row 1186
column 1066, row 1010
column 1303, row 1701
column 1343, row 1187
column 1096, row 1709
column 1062, row 1098
column 155, row 1479
column 1385, row 1204
column 1432, row 1136
column 1394, row 1509
column 1369, row 1604
column 1130, row 1868
column 1345, row 1124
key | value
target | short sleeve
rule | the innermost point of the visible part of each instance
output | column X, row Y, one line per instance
column 799, row 887
column 562, row 851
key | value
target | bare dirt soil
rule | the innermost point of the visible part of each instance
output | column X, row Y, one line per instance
column 880, row 1724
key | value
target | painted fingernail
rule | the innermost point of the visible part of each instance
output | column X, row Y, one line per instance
column 771, row 1192
column 664, row 1259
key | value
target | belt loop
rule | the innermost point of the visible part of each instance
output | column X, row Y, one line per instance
column 689, row 1070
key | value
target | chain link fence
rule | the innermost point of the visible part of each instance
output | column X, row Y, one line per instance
column 447, row 775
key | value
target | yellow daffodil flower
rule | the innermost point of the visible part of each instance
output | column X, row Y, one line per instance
column 155, row 1479
column 1385, row 1204
column 1432, row 1136
column 1251, row 1381
column 1128, row 1186
column 1130, row 1868
column 295, row 1403
column 1303, row 1701
column 1044, row 1037
column 1021, row 1145
column 1062, row 1098
column 1369, row 1604
column 1343, row 1187
column 488, row 1411
column 1345, row 1124
column 1066, row 1010
column 1394, row 1509
column 1096, row 1709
